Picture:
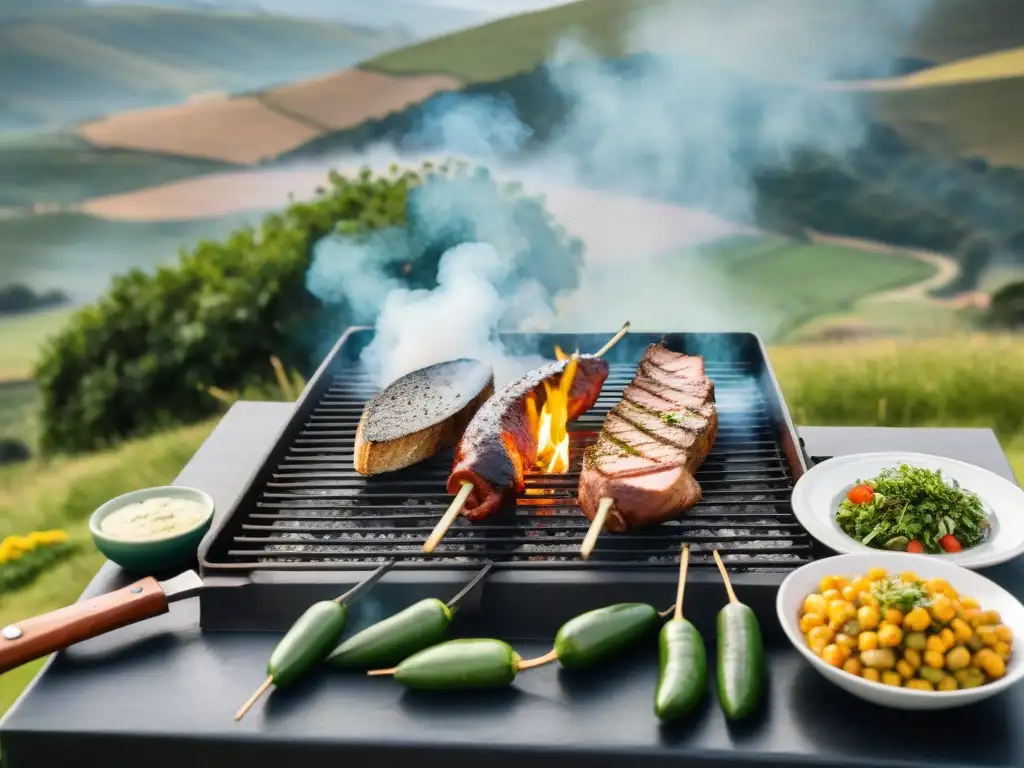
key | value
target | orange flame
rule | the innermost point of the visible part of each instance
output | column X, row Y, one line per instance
column 552, row 435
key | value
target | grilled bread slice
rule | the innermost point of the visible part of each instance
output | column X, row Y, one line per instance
column 419, row 414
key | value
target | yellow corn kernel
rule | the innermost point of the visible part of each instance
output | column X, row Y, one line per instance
column 917, row 620
column 841, row 610
column 947, row 684
column 831, row 582
column 831, row 594
column 948, row 638
column 875, row 574
column 853, row 666
column 989, row 662
column 975, row 617
column 934, row 643
column 913, row 657
column 936, row 586
column 819, row 637
column 893, row 616
column 1004, row 633
column 861, row 584
column 942, row 609
column 815, row 604
column 889, row 636
column 848, row 642
column 934, row 659
column 1003, row 649
column 867, row 599
column 892, row 678
column 908, row 576
column 987, row 635
column 833, row 655
column 809, row 621
column 871, row 674
column 868, row 617
column 850, row 593
column 920, row 685
column 961, row 630
column 904, row 668
column 867, row 641
column 993, row 617
column 958, row 658
column 968, row 603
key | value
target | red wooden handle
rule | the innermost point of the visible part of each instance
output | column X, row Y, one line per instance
column 33, row 638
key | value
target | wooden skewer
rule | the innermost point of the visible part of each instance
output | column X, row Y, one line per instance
column 684, row 562
column 613, row 340
column 590, row 540
column 449, row 517
column 725, row 577
column 459, row 501
column 254, row 698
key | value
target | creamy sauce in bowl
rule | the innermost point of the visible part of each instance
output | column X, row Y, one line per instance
column 160, row 517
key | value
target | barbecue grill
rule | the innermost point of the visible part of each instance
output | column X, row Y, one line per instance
column 308, row 522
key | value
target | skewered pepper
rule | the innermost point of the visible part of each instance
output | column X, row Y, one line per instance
column 595, row 636
column 397, row 637
column 309, row 640
column 682, row 660
column 740, row 655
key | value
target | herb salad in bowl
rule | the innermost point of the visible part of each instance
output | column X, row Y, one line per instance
column 913, row 503
column 913, row 509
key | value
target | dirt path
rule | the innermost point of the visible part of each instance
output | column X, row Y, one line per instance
column 946, row 269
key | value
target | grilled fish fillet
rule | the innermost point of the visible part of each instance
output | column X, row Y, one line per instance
column 419, row 414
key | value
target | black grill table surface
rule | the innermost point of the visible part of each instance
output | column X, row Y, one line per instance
column 162, row 693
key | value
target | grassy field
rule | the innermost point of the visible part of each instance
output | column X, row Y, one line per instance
column 952, row 30
column 63, row 66
column 959, row 381
column 769, row 285
column 20, row 339
column 80, row 254
column 61, row 169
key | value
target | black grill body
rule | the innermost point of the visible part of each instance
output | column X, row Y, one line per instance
column 309, row 526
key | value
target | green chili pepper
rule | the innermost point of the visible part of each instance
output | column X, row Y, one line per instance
column 598, row 635
column 682, row 660
column 741, row 667
column 458, row 665
column 309, row 640
column 397, row 637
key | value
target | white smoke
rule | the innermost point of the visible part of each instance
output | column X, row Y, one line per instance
column 458, row 318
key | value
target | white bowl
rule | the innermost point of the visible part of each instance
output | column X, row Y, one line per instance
column 818, row 493
column 990, row 595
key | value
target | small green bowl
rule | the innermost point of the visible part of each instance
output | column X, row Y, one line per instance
column 153, row 555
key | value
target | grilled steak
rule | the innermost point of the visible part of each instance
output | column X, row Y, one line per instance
column 419, row 414
column 498, row 445
column 652, row 443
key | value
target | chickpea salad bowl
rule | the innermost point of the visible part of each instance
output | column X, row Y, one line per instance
column 904, row 631
column 915, row 503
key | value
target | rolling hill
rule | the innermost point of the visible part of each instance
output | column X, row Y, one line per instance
column 66, row 65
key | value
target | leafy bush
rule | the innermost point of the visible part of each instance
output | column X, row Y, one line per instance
column 144, row 356
column 1007, row 307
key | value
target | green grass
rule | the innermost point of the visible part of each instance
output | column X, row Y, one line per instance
column 18, row 403
column 959, row 381
column 80, row 254
column 64, row 66
column 770, row 286
column 20, row 339
column 952, row 30
column 61, row 169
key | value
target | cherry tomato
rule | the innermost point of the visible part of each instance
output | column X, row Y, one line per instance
column 915, row 547
column 949, row 543
column 861, row 494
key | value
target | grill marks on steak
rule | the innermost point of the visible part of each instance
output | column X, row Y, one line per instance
column 652, row 442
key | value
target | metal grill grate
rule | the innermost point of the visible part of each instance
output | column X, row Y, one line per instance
column 313, row 510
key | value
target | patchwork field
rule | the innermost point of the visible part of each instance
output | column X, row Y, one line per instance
column 958, row 381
